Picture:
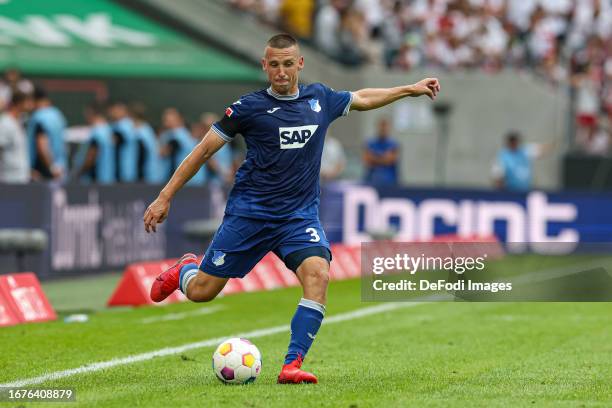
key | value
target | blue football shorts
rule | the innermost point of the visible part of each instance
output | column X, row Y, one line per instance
column 240, row 243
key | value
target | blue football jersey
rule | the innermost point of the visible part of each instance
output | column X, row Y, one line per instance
column 148, row 161
column 126, row 150
column 102, row 136
column 103, row 170
column 184, row 144
column 51, row 121
column 279, row 178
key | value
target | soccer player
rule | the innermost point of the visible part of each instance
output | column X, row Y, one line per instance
column 148, row 150
column 273, row 205
column 95, row 162
column 46, row 137
column 126, row 145
column 175, row 145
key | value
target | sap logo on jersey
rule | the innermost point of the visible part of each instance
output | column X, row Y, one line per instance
column 296, row 137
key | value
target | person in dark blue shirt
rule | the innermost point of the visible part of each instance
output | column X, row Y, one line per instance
column 126, row 144
column 380, row 156
column 148, row 167
column 46, row 130
column 274, row 203
column 95, row 161
column 176, row 142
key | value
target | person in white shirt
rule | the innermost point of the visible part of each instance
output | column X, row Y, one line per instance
column 14, row 160
column 327, row 27
column 594, row 141
column 13, row 81
column 333, row 160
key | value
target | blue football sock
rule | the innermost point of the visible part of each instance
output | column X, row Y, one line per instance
column 304, row 327
column 188, row 272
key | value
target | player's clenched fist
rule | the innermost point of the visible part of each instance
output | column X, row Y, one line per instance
column 427, row 86
column 156, row 214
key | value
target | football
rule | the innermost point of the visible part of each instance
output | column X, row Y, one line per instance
column 237, row 361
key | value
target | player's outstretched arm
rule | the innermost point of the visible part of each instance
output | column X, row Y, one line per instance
column 157, row 212
column 373, row 98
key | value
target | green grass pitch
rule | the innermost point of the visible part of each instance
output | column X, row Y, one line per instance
column 428, row 354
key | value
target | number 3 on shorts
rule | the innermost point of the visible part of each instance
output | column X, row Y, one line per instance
column 313, row 233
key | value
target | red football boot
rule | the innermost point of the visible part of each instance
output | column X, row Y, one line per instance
column 291, row 374
column 168, row 281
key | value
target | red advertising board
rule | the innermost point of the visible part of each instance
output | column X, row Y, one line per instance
column 23, row 296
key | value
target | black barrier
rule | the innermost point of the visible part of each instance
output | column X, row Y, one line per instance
column 99, row 228
column 587, row 173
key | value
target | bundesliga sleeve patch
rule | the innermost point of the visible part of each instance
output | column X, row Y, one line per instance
column 229, row 112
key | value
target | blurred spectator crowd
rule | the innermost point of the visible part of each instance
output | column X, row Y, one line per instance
column 561, row 40
column 120, row 147
column 444, row 33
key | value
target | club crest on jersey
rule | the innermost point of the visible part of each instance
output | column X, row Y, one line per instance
column 218, row 258
column 229, row 112
column 314, row 105
column 296, row 137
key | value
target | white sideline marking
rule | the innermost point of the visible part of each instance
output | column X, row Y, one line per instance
column 179, row 316
column 89, row 368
